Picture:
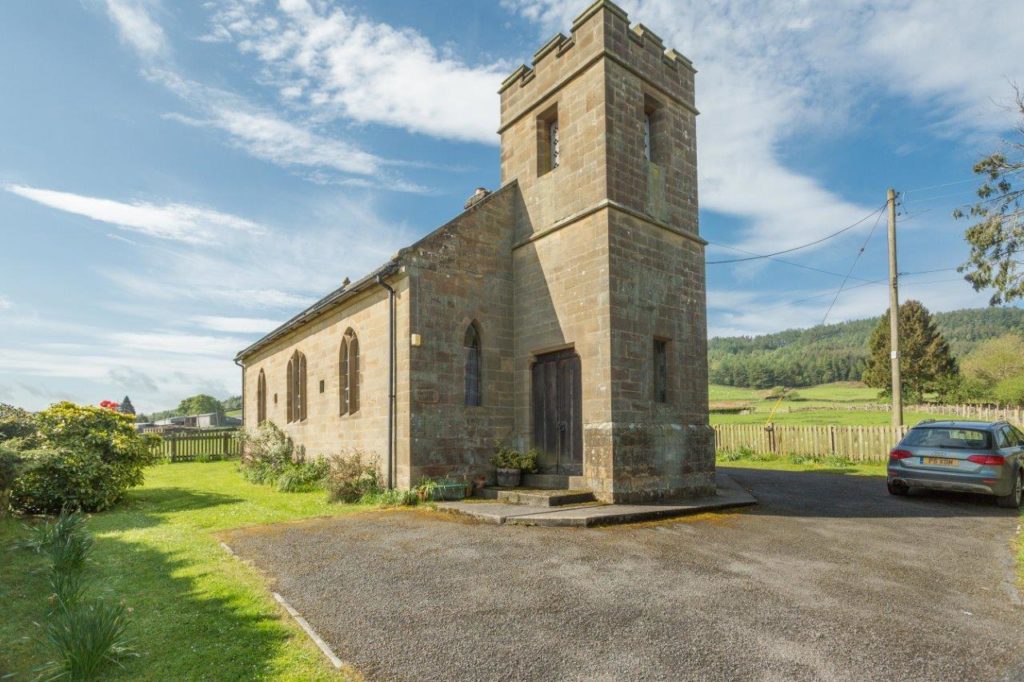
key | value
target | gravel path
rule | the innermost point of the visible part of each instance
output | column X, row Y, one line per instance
column 828, row 578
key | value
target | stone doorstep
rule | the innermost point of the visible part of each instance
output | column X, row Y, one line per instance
column 536, row 498
column 729, row 495
column 553, row 481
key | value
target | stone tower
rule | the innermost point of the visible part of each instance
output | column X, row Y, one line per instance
column 608, row 265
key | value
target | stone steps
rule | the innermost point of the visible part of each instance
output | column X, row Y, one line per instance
column 728, row 495
column 533, row 497
column 553, row 482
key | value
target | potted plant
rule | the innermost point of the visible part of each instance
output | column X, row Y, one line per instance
column 508, row 461
column 511, row 464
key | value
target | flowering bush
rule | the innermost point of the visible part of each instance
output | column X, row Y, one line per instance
column 266, row 452
column 351, row 477
column 88, row 457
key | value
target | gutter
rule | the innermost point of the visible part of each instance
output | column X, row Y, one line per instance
column 334, row 298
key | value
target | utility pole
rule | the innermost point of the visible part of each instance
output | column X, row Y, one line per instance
column 894, row 317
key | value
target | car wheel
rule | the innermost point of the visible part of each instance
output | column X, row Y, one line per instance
column 1012, row 501
column 897, row 489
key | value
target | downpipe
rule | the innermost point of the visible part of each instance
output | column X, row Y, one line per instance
column 390, row 382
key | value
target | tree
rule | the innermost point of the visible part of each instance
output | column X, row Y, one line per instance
column 199, row 404
column 925, row 360
column 997, row 236
column 1010, row 391
column 996, row 359
column 126, row 406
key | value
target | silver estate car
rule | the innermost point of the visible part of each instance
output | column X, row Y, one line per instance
column 960, row 456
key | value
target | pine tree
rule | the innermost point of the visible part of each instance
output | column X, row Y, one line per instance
column 126, row 406
column 925, row 359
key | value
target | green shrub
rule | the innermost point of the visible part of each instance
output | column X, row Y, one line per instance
column 266, row 452
column 18, row 430
column 506, row 457
column 743, row 452
column 89, row 457
column 391, row 498
column 84, row 638
column 350, row 478
column 11, row 465
column 303, row 476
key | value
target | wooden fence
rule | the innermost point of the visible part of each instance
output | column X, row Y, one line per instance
column 855, row 443
column 199, row 445
column 985, row 412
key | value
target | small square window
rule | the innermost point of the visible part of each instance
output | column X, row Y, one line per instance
column 321, row 385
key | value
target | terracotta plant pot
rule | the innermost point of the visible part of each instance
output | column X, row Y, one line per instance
column 509, row 478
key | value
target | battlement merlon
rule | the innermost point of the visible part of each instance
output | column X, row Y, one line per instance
column 602, row 30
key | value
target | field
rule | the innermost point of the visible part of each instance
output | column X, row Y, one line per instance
column 839, row 403
column 197, row 612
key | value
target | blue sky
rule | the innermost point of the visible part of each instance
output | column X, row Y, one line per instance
column 177, row 178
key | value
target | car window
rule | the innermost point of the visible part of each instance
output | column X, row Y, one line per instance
column 1009, row 440
column 1018, row 434
column 1001, row 440
column 948, row 437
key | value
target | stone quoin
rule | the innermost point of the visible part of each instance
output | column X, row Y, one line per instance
column 564, row 311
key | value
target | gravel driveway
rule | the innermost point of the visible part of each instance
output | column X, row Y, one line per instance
column 828, row 577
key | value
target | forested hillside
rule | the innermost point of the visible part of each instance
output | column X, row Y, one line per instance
column 838, row 352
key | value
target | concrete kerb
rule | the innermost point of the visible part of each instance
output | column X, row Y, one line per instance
column 728, row 495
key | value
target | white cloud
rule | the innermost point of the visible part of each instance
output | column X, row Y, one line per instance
column 263, row 134
column 276, row 273
column 5, row 303
column 137, row 27
column 176, row 222
column 341, row 65
column 238, row 325
column 185, row 344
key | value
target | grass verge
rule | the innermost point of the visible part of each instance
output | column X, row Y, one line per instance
column 835, row 465
column 197, row 613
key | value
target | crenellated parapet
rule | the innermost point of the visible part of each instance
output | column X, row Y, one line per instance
column 601, row 31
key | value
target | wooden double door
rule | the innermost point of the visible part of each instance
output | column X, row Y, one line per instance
column 557, row 401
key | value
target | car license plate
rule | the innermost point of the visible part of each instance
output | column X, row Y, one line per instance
column 941, row 461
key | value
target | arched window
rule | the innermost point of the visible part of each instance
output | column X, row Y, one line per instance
column 297, row 387
column 348, row 375
column 474, row 363
column 261, row 398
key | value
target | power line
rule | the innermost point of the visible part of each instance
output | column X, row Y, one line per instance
column 874, row 282
column 802, row 246
column 786, row 262
column 854, row 265
column 956, row 182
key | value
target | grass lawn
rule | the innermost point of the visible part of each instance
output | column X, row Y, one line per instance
column 197, row 612
column 813, row 406
column 786, row 463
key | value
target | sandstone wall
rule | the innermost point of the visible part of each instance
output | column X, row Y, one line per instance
column 325, row 431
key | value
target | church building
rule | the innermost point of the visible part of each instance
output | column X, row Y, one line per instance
column 564, row 311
